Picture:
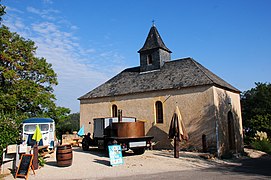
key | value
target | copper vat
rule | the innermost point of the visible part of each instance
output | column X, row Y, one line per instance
column 129, row 129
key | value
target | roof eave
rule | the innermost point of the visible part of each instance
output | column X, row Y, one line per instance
column 145, row 50
column 124, row 94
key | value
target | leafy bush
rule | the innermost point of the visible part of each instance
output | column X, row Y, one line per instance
column 263, row 145
column 9, row 128
column 261, row 142
column 41, row 160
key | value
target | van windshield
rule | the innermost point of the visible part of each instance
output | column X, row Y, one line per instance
column 44, row 127
column 32, row 127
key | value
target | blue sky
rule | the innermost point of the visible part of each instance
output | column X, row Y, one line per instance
column 88, row 41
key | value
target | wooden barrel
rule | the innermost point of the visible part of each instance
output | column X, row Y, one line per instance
column 64, row 155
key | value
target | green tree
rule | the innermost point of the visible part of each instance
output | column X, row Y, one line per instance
column 70, row 124
column 2, row 11
column 74, row 121
column 10, row 130
column 26, row 81
column 60, row 115
column 26, row 85
column 256, row 109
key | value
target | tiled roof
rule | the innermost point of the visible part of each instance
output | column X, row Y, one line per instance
column 153, row 41
column 175, row 74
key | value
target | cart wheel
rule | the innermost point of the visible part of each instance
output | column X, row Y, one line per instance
column 139, row 151
column 85, row 145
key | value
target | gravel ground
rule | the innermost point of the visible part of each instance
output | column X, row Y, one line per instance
column 95, row 165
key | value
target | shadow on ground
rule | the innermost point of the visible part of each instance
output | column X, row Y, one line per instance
column 260, row 166
column 51, row 163
column 103, row 162
column 93, row 150
column 245, row 165
column 247, row 168
column 101, row 152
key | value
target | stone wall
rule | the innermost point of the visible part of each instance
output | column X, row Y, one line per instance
column 196, row 106
column 228, row 102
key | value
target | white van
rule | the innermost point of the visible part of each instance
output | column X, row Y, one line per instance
column 47, row 127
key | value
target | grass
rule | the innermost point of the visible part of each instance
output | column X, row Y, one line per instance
column 262, row 145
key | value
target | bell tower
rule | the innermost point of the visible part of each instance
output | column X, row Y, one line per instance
column 154, row 52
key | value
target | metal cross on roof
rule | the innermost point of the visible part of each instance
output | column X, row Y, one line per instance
column 153, row 24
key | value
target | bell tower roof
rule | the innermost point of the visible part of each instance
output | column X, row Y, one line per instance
column 153, row 41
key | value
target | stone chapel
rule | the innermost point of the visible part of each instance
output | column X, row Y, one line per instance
column 209, row 106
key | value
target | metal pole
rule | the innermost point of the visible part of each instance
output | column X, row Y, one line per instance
column 119, row 115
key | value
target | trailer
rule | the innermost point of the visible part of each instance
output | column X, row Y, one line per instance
column 127, row 132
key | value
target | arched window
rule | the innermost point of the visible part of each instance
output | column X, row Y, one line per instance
column 114, row 110
column 149, row 59
column 159, row 112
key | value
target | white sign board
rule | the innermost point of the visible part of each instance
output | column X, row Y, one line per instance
column 22, row 148
column 11, row 149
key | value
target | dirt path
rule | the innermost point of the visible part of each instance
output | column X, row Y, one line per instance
column 95, row 165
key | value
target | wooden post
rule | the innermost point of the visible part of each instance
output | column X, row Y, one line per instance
column 176, row 147
column 35, row 158
column 17, row 159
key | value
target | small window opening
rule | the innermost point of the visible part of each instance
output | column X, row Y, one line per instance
column 149, row 59
column 114, row 111
column 159, row 112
